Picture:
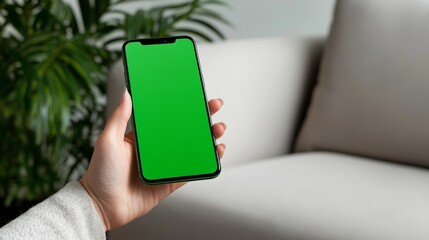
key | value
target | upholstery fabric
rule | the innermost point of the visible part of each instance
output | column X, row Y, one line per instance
column 372, row 95
column 304, row 196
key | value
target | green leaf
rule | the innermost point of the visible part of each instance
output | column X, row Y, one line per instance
column 15, row 20
column 193, row 32
column 208, row 25
column 211, row 14
column 113, row 40
column 38, row 39
column 100, row 8
column 162, row 24
column 61, row 11
column 107, row 28
column 215, row 2
column 118, row 11
column 67, row 83
column 86, row 13
column 133, row 24
column 163, row 8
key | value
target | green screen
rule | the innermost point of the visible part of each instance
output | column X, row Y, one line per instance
column 171, row 121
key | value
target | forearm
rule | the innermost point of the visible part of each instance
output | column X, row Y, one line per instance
column 68, row 214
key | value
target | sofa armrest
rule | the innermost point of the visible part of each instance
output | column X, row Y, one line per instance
column 264, row 84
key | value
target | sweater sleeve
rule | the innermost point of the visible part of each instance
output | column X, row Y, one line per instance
column 68, row 214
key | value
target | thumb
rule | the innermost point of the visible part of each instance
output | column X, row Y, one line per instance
column 117, row 122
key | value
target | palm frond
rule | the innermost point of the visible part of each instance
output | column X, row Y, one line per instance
column 53, row 66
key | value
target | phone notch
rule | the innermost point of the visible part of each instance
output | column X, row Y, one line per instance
column 151, row 41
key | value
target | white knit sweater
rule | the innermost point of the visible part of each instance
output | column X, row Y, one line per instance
column 68, row 214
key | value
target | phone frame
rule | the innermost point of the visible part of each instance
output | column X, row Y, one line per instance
column 169, row 40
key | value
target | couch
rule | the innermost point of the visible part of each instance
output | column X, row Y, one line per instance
column 328, row 138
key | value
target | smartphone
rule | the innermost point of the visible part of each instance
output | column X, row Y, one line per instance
column 171, row 119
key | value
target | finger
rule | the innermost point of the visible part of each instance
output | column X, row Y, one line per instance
column 129, row 137
column 215, row 105
column 117, row 123
column 220, row 149
column 218, row 129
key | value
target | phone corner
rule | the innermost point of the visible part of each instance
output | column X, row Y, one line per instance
column 187, row 37
column 217, row 171
column 125, row 44
column 146, row 180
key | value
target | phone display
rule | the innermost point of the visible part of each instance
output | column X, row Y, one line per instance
column 171, row 120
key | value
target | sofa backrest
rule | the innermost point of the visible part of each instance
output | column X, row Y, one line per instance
column 263, row 83
column 372, row 97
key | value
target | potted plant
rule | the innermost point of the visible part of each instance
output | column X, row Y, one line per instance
column 53, row 65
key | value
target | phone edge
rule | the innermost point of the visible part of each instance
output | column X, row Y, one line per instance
column 218, row 170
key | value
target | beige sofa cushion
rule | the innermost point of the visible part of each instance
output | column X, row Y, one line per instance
column 309, row 196
column 372, row 97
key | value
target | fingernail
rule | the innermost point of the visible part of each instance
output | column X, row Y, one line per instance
column 224, row 125
column 220, row 99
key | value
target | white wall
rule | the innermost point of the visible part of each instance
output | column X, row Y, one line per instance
column 268, row 18
column 254, row 18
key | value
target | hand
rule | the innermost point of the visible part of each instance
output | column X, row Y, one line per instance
column 112, row 179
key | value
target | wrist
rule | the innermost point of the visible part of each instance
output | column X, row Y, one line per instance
column 96, row 203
